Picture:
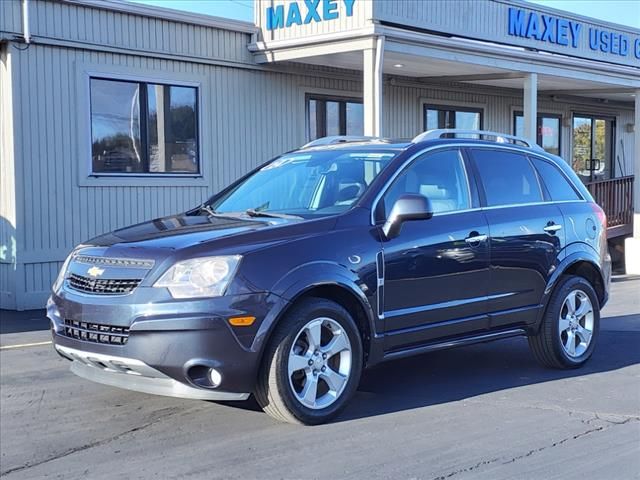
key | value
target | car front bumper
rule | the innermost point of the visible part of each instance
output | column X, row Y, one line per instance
column 133, row 374
column 170, row 346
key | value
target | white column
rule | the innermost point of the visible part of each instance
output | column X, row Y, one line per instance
column 530, row 106
column 372, row 88
column 632, row 245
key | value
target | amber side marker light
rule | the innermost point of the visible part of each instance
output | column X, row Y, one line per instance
column 242, row 321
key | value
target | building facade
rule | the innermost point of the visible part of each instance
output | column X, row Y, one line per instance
column 114, row 113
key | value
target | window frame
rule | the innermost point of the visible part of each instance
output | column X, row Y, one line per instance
column 144, row 127
column 540, row 116
column 427, row 105
column 321, row 117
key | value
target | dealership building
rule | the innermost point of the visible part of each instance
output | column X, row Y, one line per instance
column 113, row 113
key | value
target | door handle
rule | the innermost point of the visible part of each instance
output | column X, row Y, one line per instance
column 475, row 238
column 552, row 228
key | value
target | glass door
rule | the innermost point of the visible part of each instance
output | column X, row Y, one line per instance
column 593, row 147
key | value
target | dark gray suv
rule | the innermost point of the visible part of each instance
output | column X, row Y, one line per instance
column 335, row 257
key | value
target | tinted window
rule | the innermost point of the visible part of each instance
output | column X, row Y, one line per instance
column 555, row 182
column 139, row 128
column 508, row 178
column 439, row 176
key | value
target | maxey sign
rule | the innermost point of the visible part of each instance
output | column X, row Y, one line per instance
column 304, row 12
column 569, row 33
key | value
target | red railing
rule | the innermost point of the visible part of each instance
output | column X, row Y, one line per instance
column 615, row 196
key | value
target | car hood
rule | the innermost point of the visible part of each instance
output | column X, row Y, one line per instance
column 202, row 233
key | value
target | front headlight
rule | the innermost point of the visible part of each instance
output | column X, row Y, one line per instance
column 63, row 271
column 200, row 277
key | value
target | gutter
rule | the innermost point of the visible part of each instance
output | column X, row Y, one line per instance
column 26, row 33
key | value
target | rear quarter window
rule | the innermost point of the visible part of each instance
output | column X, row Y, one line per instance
column 554, row 181
column 508, row 178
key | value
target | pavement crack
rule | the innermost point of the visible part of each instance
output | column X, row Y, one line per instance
column 98, row 443
column 609, row 424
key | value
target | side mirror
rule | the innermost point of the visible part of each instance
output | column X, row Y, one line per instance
column 410, row 206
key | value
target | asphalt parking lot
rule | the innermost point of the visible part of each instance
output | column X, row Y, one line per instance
column 487, row 411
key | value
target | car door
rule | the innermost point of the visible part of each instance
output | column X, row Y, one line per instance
column 436, row 271
column 526, row 231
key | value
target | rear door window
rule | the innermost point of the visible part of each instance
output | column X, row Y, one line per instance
column 508, row 178
column 556, row 183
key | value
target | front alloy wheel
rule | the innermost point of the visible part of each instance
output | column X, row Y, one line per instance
column 312, row 365
column 319, row 363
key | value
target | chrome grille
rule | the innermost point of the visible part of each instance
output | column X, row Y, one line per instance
column 115, row 262
column 103, row 286
column 96, row 332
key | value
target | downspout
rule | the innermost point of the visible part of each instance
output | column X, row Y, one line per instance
column 378, row 85
column 26, row 33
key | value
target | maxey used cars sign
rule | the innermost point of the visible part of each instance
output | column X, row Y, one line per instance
column 560, row 31
column 306, row 11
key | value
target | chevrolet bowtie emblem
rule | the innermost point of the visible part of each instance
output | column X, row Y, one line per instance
column 95, row 271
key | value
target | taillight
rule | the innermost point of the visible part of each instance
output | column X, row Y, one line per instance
column 600, row 214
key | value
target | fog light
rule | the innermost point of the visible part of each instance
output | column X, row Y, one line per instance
column 215, row 377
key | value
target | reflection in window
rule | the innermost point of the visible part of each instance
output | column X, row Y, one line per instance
column 593, row 140
column 143, row 128
column 548, row 131
column 328, row 116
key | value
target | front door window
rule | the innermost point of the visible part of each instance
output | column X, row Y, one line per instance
column 593, row 141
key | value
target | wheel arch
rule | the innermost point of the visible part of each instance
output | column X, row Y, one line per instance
column 582, row 264
column 323, row 280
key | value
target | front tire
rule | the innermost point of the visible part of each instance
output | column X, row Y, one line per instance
column 570, row 326
column 312, row 364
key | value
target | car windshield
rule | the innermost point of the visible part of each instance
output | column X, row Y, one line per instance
column 310, row 183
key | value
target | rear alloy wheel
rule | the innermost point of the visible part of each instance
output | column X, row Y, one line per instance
column 570, row 326
column 312, row 365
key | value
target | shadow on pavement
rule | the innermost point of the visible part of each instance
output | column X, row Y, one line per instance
column 27, row 321
column 462, row 373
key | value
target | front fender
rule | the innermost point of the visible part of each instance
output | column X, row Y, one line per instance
column 304, row 278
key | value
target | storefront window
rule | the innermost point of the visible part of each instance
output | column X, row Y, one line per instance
column 440, row 116
column 141, row 128
column 593, row 140
column 328, row 116
column 548, row 131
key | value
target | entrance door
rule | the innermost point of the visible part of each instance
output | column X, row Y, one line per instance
column 593, row 147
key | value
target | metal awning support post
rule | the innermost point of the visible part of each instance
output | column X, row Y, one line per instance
column 372, row 88
column 632, row 245
column 530, row 107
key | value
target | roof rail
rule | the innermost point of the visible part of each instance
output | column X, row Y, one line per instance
column 499, row 137
column 332, row 140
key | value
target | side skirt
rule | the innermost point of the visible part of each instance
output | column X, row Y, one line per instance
column 455, row 342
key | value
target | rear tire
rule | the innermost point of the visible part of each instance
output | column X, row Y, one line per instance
column 312, row 364
column 570, row 326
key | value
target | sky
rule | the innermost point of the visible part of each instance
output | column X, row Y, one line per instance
column 625, row 12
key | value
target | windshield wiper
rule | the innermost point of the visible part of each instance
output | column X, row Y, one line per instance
column 206, row 208
column 252, row 212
